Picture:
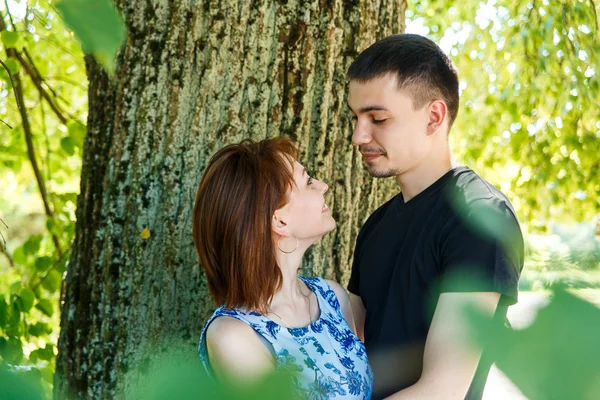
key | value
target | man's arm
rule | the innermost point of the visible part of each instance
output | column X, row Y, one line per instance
column 450, row 359
column 359, row 313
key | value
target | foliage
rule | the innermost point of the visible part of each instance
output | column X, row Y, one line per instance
column 556, row 357
column 40, row 161
column 529, row 108
column 97, row 25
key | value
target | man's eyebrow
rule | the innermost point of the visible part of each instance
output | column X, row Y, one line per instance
column 369, row 108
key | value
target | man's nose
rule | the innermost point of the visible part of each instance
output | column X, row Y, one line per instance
column 361, row 135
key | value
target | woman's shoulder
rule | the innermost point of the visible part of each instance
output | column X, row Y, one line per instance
column 224, row 329
column 339, row 291
column 327, row 287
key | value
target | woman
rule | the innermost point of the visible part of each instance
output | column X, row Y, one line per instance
column 257, row 211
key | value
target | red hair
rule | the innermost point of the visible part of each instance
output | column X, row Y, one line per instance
column 238, row 194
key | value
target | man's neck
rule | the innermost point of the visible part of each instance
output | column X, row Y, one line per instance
column 426, row 174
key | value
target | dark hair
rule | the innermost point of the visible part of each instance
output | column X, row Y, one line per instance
column 240, row 190
column 421, row 66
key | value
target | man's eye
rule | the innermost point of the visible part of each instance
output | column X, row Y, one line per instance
column 354, row 118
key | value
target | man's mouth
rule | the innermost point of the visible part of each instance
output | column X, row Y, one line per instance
column 371, row 156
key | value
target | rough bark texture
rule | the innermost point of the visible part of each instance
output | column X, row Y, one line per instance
column 193, row 76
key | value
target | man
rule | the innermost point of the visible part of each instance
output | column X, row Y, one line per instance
column 448, row 240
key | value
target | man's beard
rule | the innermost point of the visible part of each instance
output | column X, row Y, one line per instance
column 387, row 173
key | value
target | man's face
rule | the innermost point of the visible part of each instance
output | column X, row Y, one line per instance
column 390, row 133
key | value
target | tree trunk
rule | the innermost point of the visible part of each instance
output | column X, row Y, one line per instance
column 193, row 76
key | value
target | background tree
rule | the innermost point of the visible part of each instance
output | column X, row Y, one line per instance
column 191, row 77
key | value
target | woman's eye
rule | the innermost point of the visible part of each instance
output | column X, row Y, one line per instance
column 378, row 121
column 309, row 181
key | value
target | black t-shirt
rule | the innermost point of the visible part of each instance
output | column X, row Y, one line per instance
column 460, row 234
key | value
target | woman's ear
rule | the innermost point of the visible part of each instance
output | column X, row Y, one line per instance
column 278, row 224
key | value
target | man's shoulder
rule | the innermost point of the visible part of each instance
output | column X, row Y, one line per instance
column 469, row 191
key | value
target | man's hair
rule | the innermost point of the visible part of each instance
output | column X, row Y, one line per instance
column 240, row 190
column 422, row 68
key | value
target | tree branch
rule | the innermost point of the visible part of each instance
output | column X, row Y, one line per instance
column 38, row 82
column 3, row 248
column 18, row 89
column 595, row 17
column 9, row 14
column 62, row 257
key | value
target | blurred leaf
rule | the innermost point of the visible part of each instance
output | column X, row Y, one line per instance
column 19, row 386
column 19, row 256
column 47, row 353
column 32, row 245
column 40, row 329
column 13, row 65
column 556, row 357
column 3, row 312
column 52, row 281
column 43, row 263
column 97, row 25
column 45, row 306
column 11, row 350
column 9, row 38
column 15, row 287
column 25, row 301
column 68, row 145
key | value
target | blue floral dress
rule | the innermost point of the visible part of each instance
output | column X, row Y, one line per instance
column 329, row 361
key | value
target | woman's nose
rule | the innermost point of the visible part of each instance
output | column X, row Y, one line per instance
column 324, row 187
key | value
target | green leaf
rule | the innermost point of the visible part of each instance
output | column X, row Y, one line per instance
column 97, row 25
column 9, row 38
column 32, row 245
column 43, row 263
column 68, row 145
column 15, row 287
column 40, row 329
column 556, row 357
column 3, row 312
column 52, row 281
column 47, row 353
column 45, row 306
column 77, row 131
column 11, row 350
column 13, row 65
column 25, row 300
column 19, row 256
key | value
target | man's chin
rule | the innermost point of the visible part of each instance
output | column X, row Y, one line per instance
column 381, row 173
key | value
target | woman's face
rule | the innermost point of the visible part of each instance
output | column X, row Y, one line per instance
column 306, row 216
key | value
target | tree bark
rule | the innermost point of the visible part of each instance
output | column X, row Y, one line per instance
column 191, row 77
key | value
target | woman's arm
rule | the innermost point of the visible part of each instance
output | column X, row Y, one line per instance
column 236, row 352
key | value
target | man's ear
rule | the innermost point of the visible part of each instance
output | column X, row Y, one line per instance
column 438, row 114
column 278, row 225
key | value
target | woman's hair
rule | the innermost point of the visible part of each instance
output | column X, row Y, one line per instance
column 238, row 194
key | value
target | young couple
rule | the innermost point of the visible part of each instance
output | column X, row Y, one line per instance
column 448, row 240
